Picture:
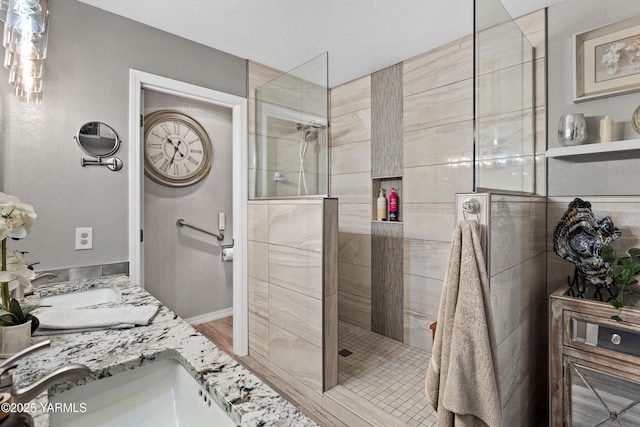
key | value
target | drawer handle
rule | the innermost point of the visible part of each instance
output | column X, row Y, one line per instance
column 616, row 339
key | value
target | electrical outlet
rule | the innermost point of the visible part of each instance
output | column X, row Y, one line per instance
column 84, row 238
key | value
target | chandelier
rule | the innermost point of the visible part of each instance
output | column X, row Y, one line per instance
column 26, row 25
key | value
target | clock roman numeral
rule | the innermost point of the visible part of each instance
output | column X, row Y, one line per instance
column 185, row 135
column 154, row 145
column 197, row 151
column 192, row 160
column 165, row 166
column 165, row 128
column 176, row 170
column 194, row 141
column 176, row 128
column 156, row 157
column 186, row 168
column 156, row 135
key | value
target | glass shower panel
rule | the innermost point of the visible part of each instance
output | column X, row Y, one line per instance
column 504, row 102
column 291, row 156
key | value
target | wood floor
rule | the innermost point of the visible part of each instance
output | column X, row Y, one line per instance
column 220, row 332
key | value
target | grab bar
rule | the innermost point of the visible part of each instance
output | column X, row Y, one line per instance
column 182, row 223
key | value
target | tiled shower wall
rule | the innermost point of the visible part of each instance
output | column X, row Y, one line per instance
column 437, row 152
column 518, row 295
column 289, row 289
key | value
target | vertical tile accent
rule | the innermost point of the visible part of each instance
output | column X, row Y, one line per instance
column 387, row 292
column 386, row 122
column 330, row 297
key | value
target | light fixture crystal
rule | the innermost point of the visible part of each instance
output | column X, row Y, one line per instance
column 25, row 38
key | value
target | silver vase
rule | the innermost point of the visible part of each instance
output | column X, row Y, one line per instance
column 572, row 129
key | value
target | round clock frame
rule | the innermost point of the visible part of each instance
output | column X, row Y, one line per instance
column 177, row 149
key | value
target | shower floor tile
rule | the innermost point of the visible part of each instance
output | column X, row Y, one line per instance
column 385, row 372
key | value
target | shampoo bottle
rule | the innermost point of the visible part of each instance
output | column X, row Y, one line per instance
column 381, row 206
column 394, row 214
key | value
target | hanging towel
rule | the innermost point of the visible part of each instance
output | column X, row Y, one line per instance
column 462, row 381
column 59, row 320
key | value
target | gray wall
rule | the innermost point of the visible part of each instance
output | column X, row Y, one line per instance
column 602, row 174
column 87, row 79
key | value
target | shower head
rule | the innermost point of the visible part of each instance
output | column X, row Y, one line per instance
column 310, row 130
column 311, row 135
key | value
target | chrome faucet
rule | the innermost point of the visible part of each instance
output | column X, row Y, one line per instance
column 25, row 394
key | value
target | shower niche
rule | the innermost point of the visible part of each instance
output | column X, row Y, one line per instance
column 290, row 155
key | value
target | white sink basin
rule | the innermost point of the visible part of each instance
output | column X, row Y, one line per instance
column 156, row 395
column 81, row 299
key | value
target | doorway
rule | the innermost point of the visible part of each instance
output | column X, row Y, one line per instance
column 183, row 266
column 140, row 81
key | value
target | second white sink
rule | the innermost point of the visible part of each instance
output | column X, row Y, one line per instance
column 81, row 299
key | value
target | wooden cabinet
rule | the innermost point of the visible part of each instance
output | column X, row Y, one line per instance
column 594, row 371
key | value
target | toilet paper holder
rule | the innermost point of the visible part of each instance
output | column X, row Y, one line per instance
column 227, row 252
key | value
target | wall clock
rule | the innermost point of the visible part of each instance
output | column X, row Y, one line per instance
column 177, row 150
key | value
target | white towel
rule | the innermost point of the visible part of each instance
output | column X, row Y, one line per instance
column 462, row 381
column 55, row 320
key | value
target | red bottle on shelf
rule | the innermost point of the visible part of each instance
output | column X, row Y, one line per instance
column 394, row 213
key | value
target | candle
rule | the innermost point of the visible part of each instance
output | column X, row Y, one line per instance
column 606, row 129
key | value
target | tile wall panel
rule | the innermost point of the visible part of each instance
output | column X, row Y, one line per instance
column 387, row 291
column 296, row 356
column 439, row 145
column 386, row 122
column 439, row 106
column 296, row 269
column 297, row 313
column 350, row 183
column 352, row 96
column 352, row 127
column 518, row 292
column 439, row 67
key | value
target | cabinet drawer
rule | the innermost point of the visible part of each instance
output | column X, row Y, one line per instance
column 601, row 336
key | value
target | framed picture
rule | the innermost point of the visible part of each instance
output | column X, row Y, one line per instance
column 607, row 60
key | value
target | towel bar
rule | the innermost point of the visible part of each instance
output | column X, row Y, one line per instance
column 182, row 223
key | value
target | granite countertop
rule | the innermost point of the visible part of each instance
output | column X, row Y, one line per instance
column 247, row 400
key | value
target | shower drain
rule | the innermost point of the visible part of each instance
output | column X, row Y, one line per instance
column 344, row 352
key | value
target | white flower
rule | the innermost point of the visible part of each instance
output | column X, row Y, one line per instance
column 15, row 217
column 611, row 55
column 18, row 272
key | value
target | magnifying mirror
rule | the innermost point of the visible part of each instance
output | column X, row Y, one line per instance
column 99, row 140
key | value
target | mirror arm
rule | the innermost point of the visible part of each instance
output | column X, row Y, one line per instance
column 112, row 163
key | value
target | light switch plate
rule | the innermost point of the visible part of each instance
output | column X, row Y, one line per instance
column 222, row 221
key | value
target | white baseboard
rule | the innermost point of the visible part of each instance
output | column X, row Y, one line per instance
column 208, row 317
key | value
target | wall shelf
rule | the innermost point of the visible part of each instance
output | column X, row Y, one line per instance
column 606, row 147
column 387, row 182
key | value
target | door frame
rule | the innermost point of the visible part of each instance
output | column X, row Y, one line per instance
column 139, row 80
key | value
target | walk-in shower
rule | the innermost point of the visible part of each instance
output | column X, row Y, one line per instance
column 290, row 155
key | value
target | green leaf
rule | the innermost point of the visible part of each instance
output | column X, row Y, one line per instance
column 608, row 254
column 7, row 319
column 34, row 322
column 617, row 318
column 26, row 309
column 617, row 304
column 634, row 251
column 16, row 310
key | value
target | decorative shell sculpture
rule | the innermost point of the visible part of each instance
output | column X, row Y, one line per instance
column 579, row 238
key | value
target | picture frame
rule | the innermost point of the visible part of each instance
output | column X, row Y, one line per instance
column 607, row 60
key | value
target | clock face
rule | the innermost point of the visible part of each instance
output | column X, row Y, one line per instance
column 177, row 150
